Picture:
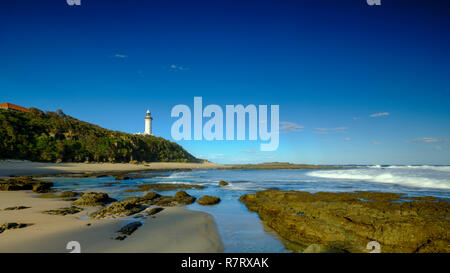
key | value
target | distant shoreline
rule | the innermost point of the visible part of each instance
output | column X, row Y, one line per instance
column 23, row 167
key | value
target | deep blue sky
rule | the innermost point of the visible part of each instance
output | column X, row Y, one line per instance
column 328, row 64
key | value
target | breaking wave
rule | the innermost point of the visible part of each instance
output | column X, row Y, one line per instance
column 394, row 175
column 418, row 167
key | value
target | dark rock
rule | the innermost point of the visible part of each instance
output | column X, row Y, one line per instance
column 110, row 184
column 8, row 226
column 208, row 200
column 25, row 183
column 49, row 195
column 155, row 199
column 64, row 211
column 93, row 199
column 130, row 228
column 183, row 198
column 17, row 208
column 140, row 176
column 152, row 195
column 165, row 201
column 69, row 194
column 42, row 187
column 153, row 211
column 120, row 177
column 120, row 238
column 343, row 222
column 223, row 183
column 164, row 187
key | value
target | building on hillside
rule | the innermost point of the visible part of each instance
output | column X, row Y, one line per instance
column 10, row 106
column 148, row 124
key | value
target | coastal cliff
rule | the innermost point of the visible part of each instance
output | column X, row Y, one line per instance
column 57, row 137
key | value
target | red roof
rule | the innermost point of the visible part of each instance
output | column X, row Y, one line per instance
column 13, row 106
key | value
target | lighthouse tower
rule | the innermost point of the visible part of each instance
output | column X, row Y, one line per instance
column 148, row 123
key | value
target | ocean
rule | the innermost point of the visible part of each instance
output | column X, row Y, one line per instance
column 241, row 230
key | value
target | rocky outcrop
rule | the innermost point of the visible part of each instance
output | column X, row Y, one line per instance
column 93, row 199
column 25, row 183
column 8, row 226
column 64, row 211
column 68, row 194
column 128, row 229
column 121, row 177
column 154, row 199
column 153, row 211
column 164, row 187
column 110, row 184
column 349, row 221
column 126, row 207
column 183, row 198
column 208, row 200
column 151, row 196
column 133, row 205
column 223, row 183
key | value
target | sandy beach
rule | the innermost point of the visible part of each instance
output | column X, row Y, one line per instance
column 23, row 167
column 175, row 229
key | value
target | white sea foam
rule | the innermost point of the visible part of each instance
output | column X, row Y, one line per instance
column 403, row 177
column 418, row 167
column 422, row 167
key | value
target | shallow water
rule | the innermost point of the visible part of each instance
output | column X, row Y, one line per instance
column 241, row 230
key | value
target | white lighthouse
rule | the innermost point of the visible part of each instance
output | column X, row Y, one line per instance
column 148, row 123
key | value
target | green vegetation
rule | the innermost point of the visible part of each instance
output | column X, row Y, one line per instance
column 56, row 137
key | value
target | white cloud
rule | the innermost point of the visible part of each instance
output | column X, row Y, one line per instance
column 325, row 131
column 376, row 142
column 429, row 140
column 120, row 56
column 290, row 126
column 178, row 67
column 379, row 114
column 347, row 139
